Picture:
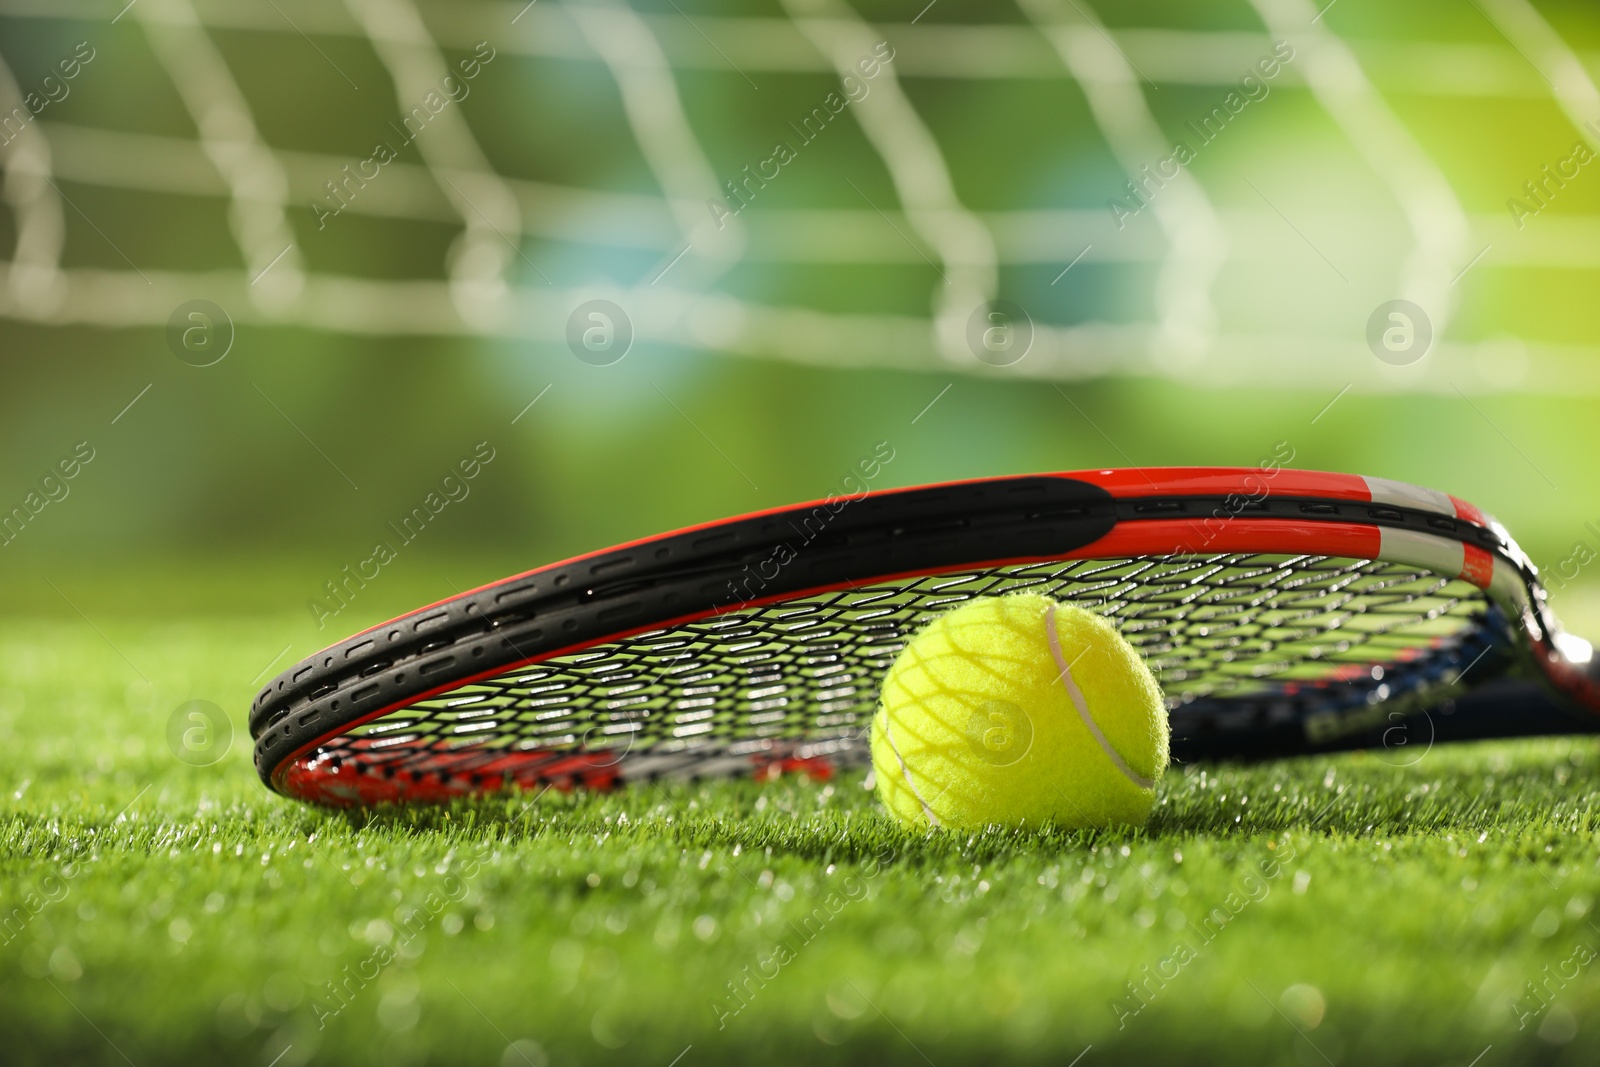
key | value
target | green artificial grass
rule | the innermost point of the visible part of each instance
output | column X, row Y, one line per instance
column 1328, row 910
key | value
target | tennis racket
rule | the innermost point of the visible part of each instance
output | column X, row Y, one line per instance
column 1283, row 612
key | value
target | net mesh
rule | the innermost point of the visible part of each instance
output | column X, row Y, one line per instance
column 798, row 680
column 607, row 150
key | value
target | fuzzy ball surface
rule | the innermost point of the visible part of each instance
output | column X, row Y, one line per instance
column 1018, row 710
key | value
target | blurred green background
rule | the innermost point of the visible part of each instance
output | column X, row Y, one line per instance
column 378, row 349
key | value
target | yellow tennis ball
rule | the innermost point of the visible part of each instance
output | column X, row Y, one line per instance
column 1017, row 709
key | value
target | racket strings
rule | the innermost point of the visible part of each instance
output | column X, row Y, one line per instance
column 799, row 678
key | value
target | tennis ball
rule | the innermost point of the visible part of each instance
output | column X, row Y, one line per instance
column 1017, row 709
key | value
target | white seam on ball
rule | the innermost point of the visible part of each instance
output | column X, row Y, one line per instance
column 1083, row 708
column 905, row 772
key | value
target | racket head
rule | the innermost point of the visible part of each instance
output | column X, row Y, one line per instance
column 1283, row 611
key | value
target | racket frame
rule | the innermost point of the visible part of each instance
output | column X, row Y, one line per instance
column 847, row 542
